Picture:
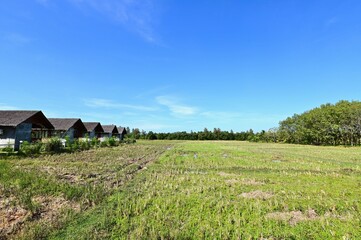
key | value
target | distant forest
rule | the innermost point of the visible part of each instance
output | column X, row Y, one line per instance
column 329, row 124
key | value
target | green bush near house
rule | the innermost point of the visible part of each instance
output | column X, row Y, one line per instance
column 95, row 142
column 53, row 145
column 30, row 149
column 8, row 149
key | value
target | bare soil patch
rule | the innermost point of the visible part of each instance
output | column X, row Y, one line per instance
column 51, row 207
column 13, row 216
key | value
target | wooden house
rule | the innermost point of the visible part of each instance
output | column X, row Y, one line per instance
column 94, row 129
column 122, row 132
column 17, row 126
column 68, row 127
column 110, row 131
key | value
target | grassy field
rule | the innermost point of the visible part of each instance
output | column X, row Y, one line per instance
column 187, row 190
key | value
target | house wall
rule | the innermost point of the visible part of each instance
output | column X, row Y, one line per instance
column 70, row 134
column 7, row 137
column 91, row 134
column 106, row 135
column 22, row 133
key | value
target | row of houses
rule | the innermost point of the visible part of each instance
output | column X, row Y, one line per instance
column 18, row 126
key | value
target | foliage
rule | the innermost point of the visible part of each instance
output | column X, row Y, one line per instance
column 52, row 145
column 129, row 141
column 329, row 124
column 325, row 125
column 94, row 142
column 8, row 149
column 216, row 134
column 30, row 149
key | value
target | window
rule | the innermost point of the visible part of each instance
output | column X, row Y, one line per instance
column 1, row 132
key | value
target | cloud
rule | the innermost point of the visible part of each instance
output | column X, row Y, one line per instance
column 176, row 108
column 4, row 106
column 135, row 15
column 106, row 103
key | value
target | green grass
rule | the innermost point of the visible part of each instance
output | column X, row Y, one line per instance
column 43, row 194
column 212, row 190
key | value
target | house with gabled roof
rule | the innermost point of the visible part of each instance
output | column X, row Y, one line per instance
column 122, row 132
column 110, row 131
column 68, row 127
column 94, row 129
column 18, row 126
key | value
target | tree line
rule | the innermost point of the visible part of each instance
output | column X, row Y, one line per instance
column 329, row 124
column 216, row 134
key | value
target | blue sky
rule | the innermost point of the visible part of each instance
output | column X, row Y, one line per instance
column 179, row 65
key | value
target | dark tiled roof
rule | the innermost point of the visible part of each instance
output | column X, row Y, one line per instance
column 110, row 128
column 67, row 123
column 14, row 118
column 91, row 126
column 122, row 130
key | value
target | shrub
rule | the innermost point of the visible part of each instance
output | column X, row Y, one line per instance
column 75, row 146
column 109, row 142
column 104, row 143
column 30, row 149
column 53, row 145
column 8, row 149
column 112, row 142
column 95, row 142
column 84, row 145
column 129, row 141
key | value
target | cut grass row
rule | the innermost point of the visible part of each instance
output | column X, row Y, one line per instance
column 234, row 190
column 40, row 195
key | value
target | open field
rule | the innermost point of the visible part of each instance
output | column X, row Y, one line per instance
column 40, row 195
column 222, row 190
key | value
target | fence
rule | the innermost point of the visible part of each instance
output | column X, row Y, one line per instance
column 7, row 143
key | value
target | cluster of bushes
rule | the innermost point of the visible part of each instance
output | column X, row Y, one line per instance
column 7, row 151
column 57, row 145
column 329, row 124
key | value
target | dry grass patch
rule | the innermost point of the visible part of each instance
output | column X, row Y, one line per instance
column 258, row 194
column 248, row 182
column 294, row 217
column 224, row 174
column 11, row 216
column 51, row 207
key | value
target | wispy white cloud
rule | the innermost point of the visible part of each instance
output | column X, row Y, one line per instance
column 4, row 106
column 109, row 104
column 152, row 92
column 176, row 109
column 135, row 15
